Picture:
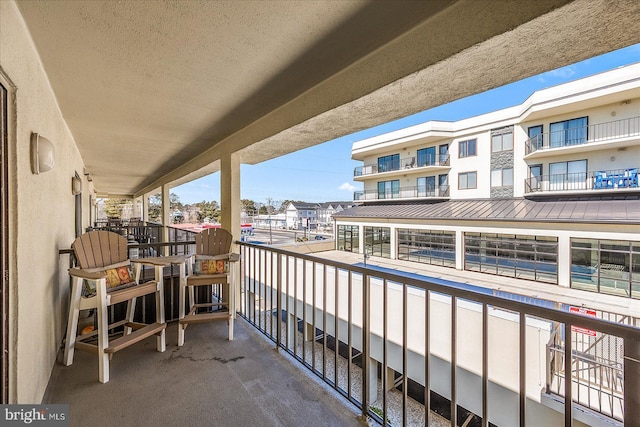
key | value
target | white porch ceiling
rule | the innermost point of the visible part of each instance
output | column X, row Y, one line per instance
column 156, row 91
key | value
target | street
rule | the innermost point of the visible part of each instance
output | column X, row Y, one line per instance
column 279, row 236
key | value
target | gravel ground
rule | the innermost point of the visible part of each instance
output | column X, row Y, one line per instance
column 415, row 410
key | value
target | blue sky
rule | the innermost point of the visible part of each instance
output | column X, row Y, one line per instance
column 324, row 172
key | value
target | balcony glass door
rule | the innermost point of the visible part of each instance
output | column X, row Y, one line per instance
column 427, row 156
column 568, row 175
column 426, row 186
column 443, row 184
column 444, row 153
column 535, row 172
column 568, row 132
column 535, row 138
column 388, row 189
column 389, row 163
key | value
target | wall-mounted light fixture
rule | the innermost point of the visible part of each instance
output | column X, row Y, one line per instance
column 76, row 185
column 43, row 156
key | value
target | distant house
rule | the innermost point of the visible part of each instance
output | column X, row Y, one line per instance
column 301, row 216
column 326, row 211
column 276, row 221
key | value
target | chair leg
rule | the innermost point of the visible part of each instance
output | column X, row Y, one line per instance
column 72, row 322
column 131, row 310
column 231, row 295
column 181, row 302
column 103, row 331
column 161, row 343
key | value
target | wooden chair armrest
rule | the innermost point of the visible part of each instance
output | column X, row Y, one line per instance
column 233, row 257
column 83, row 274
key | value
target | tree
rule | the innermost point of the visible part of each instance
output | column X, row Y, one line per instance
column 113, row 207
column 249, row 206
column 155, row 205
column 209, row 210
column 174, row 202
column 155, row 208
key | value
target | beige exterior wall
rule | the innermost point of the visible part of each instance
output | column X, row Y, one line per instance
column 42, row 215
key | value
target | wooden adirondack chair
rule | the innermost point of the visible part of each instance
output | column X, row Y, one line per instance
column 211, row 265
column 102, row 279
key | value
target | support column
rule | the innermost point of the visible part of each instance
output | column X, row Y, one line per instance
column 292, row 329
column 309, row 332
column 391, row 378
column 166, row 216
column 230, row 206
column 564, row 261
column 230, row 194
column 373, row 380
column 145, row 207
column 459, row 250
column 393, row 242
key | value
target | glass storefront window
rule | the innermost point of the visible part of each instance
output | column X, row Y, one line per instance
column 606, row 266
column 523, row 257
column 377, row 241
column 427, row 246
column 349, row 238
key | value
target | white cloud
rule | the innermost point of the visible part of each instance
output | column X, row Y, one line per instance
column 347, row 187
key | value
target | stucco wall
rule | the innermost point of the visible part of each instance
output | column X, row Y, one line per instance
column 43, row 216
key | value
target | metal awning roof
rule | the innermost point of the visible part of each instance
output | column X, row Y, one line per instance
column 622, row 209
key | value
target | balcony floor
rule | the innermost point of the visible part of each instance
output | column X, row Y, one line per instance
column 208, row 381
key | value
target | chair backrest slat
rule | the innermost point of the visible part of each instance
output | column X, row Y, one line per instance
column 100, row 248
column 213, row 241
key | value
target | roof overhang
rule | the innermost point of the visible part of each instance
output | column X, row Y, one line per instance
column 157, row 92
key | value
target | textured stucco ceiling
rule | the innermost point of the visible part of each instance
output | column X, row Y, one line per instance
column 174, row 85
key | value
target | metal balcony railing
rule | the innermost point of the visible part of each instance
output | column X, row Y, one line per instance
column 365, row 332
column 618, row 179
column 440, row 191
column 411, row 162
column 600, row 132
column 597, row 370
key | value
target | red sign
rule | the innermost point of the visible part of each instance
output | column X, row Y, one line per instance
column 584, row 312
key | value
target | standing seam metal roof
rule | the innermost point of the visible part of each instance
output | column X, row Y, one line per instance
column 623, row 209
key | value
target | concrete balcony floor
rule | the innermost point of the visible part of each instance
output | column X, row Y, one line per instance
column 210, row 381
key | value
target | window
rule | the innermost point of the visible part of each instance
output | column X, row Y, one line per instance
column 568, row 132
column 568, row 175
column 535, row 176
column 606, row 266
column 535, row 138
column 520, row 256
column 389, row 189
column 502, row 142
column 377, row 241
column 502, row 177
column 427, row 246
column 467, row 180
column 444, row 154
column 467, row 148
column 426, row 186
column 389, row 163
column 427, row 156
column 348, row 238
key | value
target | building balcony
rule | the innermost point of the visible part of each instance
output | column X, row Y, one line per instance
column 406, row 193
column 585, row 182
column 409, row 164
column 363, row 334
column 601, row 136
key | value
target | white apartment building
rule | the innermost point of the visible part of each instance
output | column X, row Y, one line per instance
column 546, row 190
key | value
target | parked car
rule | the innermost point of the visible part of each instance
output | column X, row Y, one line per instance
column 319, row 237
